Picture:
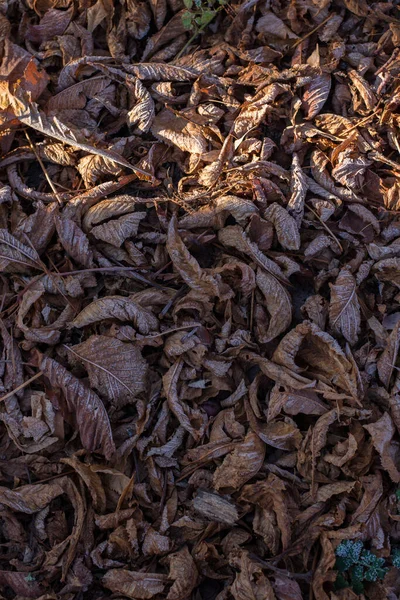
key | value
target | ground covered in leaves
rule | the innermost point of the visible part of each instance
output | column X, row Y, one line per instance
column 200, row 304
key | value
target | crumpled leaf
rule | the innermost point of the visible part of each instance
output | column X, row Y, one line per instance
column 117, row 231
column 203, row 284
column 82, row 407
column 184, row 574
column 387, row 360
column 134, row 584
column 177, row 131
column 240, row 465
column 119, row 308
column 192, row 420
column 74, row 241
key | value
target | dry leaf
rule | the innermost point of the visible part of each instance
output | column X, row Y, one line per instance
column 82, row 407
column 344, row 308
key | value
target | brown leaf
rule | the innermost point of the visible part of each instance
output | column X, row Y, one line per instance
column 382, row 432
column 191, row 419
column 215, row 507
column 278, row 304
column 316, row 94
column 344, row 308
column 250, row 581
column 16, row 256
column 74, row 241
column 82, row 407
column 187, row 266
column 240, row 465
column 285, row 226
column 119, row 308
column 134, row 584
column 116, row 369
column 177, row 131
column 298, row 187
column 184, row 574
column 387, row 360
column 117, row 231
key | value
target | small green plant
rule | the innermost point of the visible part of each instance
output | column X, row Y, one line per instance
column 356, row 565
column 198, row 15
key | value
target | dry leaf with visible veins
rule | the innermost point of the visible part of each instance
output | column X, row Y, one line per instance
column 241, row 464
column 116, row 369
column 82, row 407
column 278, row 304
column 285, row 225
column 344, row 308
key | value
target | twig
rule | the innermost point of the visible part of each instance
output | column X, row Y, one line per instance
column 41, row 163
column 111, row 269
column 326, row 227
column 311, row 32
column 20, row 387
column 267, row 565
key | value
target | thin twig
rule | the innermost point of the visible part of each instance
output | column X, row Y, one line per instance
column 22, row 386
column 111, row 269
column 41, row 163
column 326, row 227
column 311, row 32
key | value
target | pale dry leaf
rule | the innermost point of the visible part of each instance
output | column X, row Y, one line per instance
column 285, row 225
column 178, row 131
column 298, row 187
column 316, row 94
column 115, row 232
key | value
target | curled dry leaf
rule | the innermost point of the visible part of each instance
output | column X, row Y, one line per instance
column 82, row 407
column 240, row 465
column 119, row 308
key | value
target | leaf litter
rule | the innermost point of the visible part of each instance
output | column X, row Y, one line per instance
column 200, row 307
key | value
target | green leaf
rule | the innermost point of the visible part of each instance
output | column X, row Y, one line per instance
column 187, row 20
column 188, row 3
column 341, row 582
column 396, row 558
column 206, row 17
